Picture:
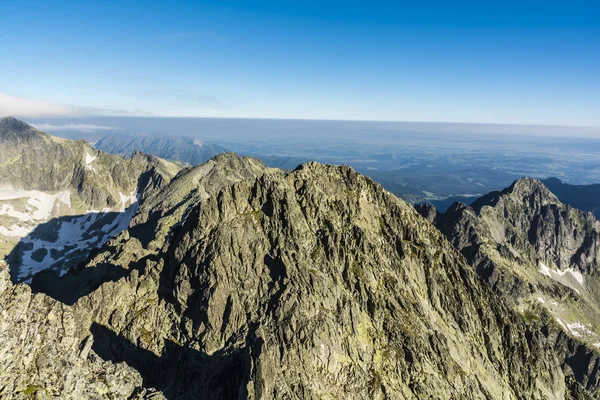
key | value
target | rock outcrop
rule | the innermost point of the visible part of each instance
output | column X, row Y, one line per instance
column 240, row 281
column 61, row 198
column 540, row 255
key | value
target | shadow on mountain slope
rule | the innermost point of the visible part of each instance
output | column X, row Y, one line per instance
column 50, row 258
column 180, row 371
column 80, row 281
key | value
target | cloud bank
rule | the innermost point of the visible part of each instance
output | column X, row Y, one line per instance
column 22, row 107
column 74, row 127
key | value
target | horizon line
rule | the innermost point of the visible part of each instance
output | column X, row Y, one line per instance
column 537, row 125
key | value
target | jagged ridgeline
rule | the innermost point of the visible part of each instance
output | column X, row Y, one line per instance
column 235, row 280
column 542, row 256
column 61, row 198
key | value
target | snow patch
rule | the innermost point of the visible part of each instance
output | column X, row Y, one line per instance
column 59, row 244
column 15, row 231
column 7, row 209
column 75, row 238
column 545, row 270
column 559, row 276
column 576, row 274
column 38, row 206
column 576, row 329
column 89, row 159
column 128, row 200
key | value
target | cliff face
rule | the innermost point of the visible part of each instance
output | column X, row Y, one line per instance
column 240, row 281
column 540, row 255
column 34, row 160
column 582, row 197
column 61, row 198
column 529, row 231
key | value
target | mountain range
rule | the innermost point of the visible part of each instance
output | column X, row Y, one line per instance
column 416, row 184
column 184, row 149
column 231, row 279
column 582, row 197
column 542, row 255
column 60, row 198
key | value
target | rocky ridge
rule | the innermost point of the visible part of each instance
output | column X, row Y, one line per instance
column 60, row 198
column 582, row 197
column 240, row 281
column 539, row 254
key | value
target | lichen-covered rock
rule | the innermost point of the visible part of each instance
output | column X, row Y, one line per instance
column 45, row 351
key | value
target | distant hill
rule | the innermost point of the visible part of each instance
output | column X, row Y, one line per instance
column 177, row 148
column 583, row 197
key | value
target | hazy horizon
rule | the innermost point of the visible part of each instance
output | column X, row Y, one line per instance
column 485, row 62
column 262, row 128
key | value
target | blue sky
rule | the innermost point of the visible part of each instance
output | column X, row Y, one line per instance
column 526, row 62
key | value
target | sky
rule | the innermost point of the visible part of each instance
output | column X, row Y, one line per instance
column 521, row 62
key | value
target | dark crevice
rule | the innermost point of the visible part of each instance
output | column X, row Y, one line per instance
column 278, row 274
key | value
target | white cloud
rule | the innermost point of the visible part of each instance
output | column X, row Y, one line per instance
column 22, row 107
column 18, row 106
column 74, row 127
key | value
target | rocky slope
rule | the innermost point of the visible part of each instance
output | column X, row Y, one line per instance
column 178, row 148
column 540, row 254
column 60, row 198
column 240, row 281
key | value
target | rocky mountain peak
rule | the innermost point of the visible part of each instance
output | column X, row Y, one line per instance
column 526, row 191
column 60, row 198
column 527, row 187
column 540, row 254
column 13, row 129
column 12, row 123
column 242, row 281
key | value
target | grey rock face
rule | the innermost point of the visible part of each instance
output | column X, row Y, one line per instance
column 34, row 160
column 60, row 198
column 525, row 224
column 556, row 234
column 540, row 255
column 582, row 197
column 240, row 281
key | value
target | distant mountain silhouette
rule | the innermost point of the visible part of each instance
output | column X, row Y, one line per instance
column 583, row 197
column 177, row 148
